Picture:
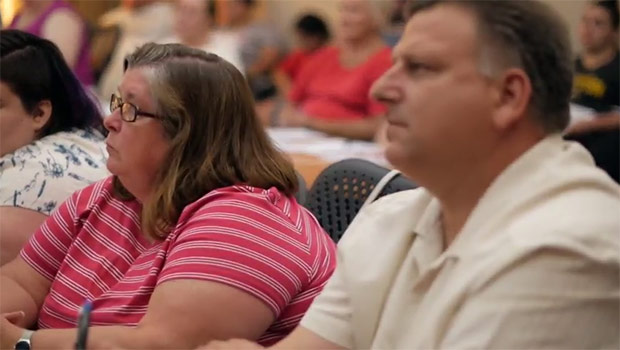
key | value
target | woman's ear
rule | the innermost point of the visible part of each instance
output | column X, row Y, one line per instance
column 41, row 115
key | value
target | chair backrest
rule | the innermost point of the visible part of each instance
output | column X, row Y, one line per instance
column 340, row 190
column 302, row 191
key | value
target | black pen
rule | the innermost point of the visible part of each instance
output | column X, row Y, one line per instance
column 83, row 323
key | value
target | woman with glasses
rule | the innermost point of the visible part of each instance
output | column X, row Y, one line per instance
column 196, row 236
column 51, row 141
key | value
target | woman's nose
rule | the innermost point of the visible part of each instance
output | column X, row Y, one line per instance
column 113, row 121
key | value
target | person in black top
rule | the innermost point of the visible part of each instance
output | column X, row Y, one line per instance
column 597, row 69
column 597, row 85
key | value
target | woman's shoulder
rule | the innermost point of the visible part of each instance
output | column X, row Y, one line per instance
column 46, row 172
column 383, row 56
column 238, row 199
column 378, row 63
column 327, row 56
column 248, row 194
column 83, row 149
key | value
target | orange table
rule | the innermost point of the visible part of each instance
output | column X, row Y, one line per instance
column 311, row 151
column 308, row 166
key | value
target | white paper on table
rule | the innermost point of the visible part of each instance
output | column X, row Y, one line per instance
column 332, row 149
column 579, row 113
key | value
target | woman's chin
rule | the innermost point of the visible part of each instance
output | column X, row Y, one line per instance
column 112, row 166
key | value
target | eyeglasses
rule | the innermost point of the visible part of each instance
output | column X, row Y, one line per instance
column 129, row 111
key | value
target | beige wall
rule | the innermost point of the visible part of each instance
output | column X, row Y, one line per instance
column 285, row 11
column 571, row 12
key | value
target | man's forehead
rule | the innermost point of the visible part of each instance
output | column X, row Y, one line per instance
column 441, row 27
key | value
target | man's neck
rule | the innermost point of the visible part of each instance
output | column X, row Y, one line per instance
column 598, row 58
column 459, row 198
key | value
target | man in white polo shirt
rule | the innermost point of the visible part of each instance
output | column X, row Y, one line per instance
column 513, row 241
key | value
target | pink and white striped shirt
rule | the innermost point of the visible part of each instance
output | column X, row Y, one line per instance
column 256, row 240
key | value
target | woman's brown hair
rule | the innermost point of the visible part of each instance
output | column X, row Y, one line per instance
column 216, row 139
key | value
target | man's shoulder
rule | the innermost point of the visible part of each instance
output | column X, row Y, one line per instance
column 395, row 203
column 580, row 221
column 391, row 217
column 585, row 223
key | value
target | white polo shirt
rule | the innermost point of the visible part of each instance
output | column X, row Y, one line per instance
column 536, row 265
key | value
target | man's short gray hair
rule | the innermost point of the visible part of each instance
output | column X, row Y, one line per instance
column 529, row 35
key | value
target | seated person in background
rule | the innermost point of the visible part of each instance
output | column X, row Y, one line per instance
column 511, row 241
column 597, row 85
column 197, row 236
column 312, row 34
column 57, row 21
column 260, row 45
column 139, row 22
column 192, row 27
column 330, row 94
column 51, row 141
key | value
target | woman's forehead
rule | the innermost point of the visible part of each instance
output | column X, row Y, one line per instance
column 135, row 84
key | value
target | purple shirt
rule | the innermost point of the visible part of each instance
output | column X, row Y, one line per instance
column 82, row 67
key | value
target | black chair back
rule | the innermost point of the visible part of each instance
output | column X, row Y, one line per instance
column 341, row 189
column 302, row 191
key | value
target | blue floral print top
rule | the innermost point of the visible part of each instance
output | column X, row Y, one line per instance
column 41, row 175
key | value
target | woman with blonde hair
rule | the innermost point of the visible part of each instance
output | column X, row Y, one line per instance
column 196, row 236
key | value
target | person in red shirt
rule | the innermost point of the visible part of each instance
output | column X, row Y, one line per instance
column 331, row 93
column 312, row 34
column 196, row 236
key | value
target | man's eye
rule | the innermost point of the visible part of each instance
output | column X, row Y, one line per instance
column 414, row 67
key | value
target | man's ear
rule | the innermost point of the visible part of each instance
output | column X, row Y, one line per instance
column 41, row 115
column 515, row 93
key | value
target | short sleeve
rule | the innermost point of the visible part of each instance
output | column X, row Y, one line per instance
column 290, row 63
column 243, row 241
column 329, row 316
column 48, row 246
column 552, row 299
column 307, row 73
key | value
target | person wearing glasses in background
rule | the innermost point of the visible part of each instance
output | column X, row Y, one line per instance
column 196, row 236
column 51, row 137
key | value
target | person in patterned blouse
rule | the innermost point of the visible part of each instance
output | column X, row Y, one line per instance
column 51, row 136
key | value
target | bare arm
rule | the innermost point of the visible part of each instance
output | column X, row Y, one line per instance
column 22, row 289
column 362, row 129
column 182, row 314
column 302, row 339
column 299, row 339
column 16, row 227
column 283, row 82
column 267, row 59
column 602, row 122
column 64, row 28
